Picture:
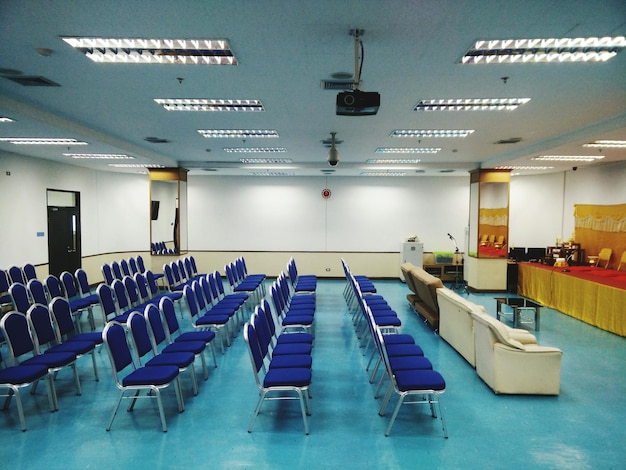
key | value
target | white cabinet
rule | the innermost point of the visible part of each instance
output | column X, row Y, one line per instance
column 412, row 252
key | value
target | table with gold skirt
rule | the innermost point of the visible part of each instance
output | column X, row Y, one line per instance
column 593, row 295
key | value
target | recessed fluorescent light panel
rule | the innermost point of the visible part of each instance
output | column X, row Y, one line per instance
column 154, row 51
column 569, row 158
column 408, row 150
column 6, row 119
column 471, row 104
column 384, row 161
column 202, row 104
column 515, row 167
column 521, row 51
column 383, row 173
column 99, row 156
column 271, row 173
column 255, row 149
column 607, row 144
column 237, row 133
column 425, row 133
column 266, row 161
column 136, row 165
column 40, row 141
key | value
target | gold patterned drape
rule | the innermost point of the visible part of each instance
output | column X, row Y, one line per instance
column 493, row 221
column 601, row 226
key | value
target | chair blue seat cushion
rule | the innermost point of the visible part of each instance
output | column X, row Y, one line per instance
column 195, row 347
column 292, row 348
column 95, row 337
column 398, row 338
column 287, row 377
column 51, row 360
column 384, row 321
column 286, row 338
column 206, row 336
column 291, row 360
column 158, row 375
column 403, row 350
column 212, row 319
column 22, row 374
column 398, row 363
column 291, row 320
column 419, row 380
column 76, row 347
column 178, row 359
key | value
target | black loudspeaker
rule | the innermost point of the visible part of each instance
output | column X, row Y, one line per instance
column 358, row 103
column 154, row 210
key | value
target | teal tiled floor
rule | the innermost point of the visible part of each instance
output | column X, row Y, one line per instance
column 582, row 428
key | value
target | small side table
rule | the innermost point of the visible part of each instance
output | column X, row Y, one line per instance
column 524, row 311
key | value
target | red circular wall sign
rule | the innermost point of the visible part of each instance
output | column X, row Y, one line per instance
column 326, row 193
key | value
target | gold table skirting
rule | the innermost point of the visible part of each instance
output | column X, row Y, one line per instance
column 600, row 302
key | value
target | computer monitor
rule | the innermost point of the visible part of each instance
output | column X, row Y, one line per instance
column 517, row 254
column 535, row 254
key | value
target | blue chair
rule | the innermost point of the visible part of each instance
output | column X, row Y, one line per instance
column 38, row 292
column 29, row 272
column 107, row 273
column 78, row 303
column 166, row 306
column 147, row 353
column 49, row 342
column 117, row 270
column 20, row 298
column 84, row 287
column 132, row 264
column 17, row 275
column 5, row 297
column 108, row 306
column 278, row 336
column 66, row 330
column 163, row 342
column 147, row 379
column 125, row 268
column 202, row 321
column 287, row 383
column 16, row 377
column 24, row 350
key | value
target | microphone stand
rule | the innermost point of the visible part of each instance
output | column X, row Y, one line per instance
column 455, row 260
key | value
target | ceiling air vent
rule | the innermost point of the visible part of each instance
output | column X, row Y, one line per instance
column 32, row 81
column 337, row 85
column 510, row 140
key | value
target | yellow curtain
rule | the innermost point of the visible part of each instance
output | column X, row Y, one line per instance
column 601, row 226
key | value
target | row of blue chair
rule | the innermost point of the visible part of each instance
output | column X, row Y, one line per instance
column 12, row 275
column 124, row 267
column 160, row 352
column 281, row 362
column 160, row 248
column 41, row 342
column 241, row 281
column 181, row 272
column 409, row 372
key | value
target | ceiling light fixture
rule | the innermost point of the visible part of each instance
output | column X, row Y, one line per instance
column 425, row 133
column 271, row 173
column 41, row 141
column 384, row 161
column 154, row 51
column 471, row 104
column 202, row 104
column 237, row 133
column 606, row 144
column 383, row 173
column 408, row 150
column 266, row 161
column 520, row 51
column 569, row 158
column 522, row 167
column 255, row 149
column 6, row 119
column 136, row 165
column 99, row 156
column 333, row 154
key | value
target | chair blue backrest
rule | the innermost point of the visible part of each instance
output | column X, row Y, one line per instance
column 152, row 284
column 117, row 270
column 192, row 302
column 107, row 301
column 19, row 295
column 17, row 334
column 54, row 287
column 121, row 296
column 153, row 317
column 132, row 264
column 131, row 290
column 16, row 275
column 82, row 281
column 69, row 285
column 166, row 305
column 38, row 291
column 125, row 268
column 253, row 347
column 138, row 327
column 107, row 274
column 29, row 272
column 39, row 318
column 140, row 264
column 5, row 298
column 115, row 338
column 142, row 287
column 62, row 314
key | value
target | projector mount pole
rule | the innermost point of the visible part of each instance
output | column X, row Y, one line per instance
column 357, row 33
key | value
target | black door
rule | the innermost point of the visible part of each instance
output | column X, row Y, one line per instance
column 64, row 252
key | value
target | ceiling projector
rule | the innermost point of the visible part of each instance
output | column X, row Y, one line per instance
column 358, row 103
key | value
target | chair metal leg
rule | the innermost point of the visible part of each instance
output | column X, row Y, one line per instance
column 257, row 409
column 161, row 412
column 303, row 408
column 119, row 401
column 20, row 409
column 95, row 366
column 395, row 413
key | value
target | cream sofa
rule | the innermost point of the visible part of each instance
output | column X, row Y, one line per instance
column 507, row 359
column 508, row 366
column 424, row 289
column 456, row 325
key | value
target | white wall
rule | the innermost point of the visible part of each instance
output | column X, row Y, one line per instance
column 289, row 214
column 232, row 214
